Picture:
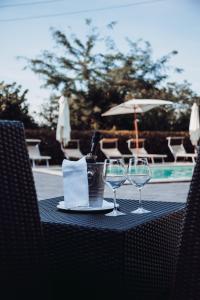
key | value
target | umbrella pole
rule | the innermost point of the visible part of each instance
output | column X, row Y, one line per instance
column 136, row 133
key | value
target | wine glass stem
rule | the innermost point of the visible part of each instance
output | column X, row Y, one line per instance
column 114, row 200
column 140, row 199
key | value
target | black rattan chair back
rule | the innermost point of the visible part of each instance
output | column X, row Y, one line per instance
column 187, row 277
column 20, row 228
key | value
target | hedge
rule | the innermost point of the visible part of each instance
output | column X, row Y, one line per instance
column 155, row 142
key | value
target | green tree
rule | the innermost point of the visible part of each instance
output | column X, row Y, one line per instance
column 171, row 118
column 13, row 104
column 49, row 112
column 98, row 80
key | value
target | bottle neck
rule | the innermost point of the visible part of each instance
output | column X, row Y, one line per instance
column 91, row 156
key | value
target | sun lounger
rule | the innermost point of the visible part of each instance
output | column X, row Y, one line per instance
column 72, row 150
column 177, row 149
column 141, row 151
column 109, row 147
column 34, row 152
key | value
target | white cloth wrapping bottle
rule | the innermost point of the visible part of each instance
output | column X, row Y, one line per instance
column 75, row 183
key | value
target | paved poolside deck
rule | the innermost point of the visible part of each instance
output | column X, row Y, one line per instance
column 50, row 186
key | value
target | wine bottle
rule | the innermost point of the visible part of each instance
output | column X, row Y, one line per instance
column 91, row 157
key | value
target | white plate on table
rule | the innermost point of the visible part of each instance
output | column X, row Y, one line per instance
column 106, row 206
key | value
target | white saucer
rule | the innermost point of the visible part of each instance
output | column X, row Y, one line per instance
column 106, row 206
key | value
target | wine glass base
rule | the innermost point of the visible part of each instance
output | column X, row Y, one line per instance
column 140, row 210
column 114, row 213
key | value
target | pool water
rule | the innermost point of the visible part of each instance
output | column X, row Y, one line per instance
column 160, row 173
column 172, row 173
column 164, row 173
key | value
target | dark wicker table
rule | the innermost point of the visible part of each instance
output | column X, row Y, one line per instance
column 137, row 251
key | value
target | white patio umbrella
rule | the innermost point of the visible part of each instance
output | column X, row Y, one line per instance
column 135, row 106
column 63, row 129
column 194, row 127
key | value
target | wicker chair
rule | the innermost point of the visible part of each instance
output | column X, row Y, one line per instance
column 187, row 277
column 21, row 245
column 25, row 268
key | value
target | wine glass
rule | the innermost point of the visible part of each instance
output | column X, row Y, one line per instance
column 139, row 174
column 114, row 175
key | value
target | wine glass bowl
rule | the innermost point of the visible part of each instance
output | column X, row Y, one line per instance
column 139, row 174
column 114, row 175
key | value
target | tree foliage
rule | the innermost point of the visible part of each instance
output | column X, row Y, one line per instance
column 96, row 75
column 13, row 104
column 49, row 112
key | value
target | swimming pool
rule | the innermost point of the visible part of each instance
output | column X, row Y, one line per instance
column 160, row 173
column 171, row 173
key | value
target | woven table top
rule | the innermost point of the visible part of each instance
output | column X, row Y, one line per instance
column 49, row 213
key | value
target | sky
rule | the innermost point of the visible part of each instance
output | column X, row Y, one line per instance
column 167, row 24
